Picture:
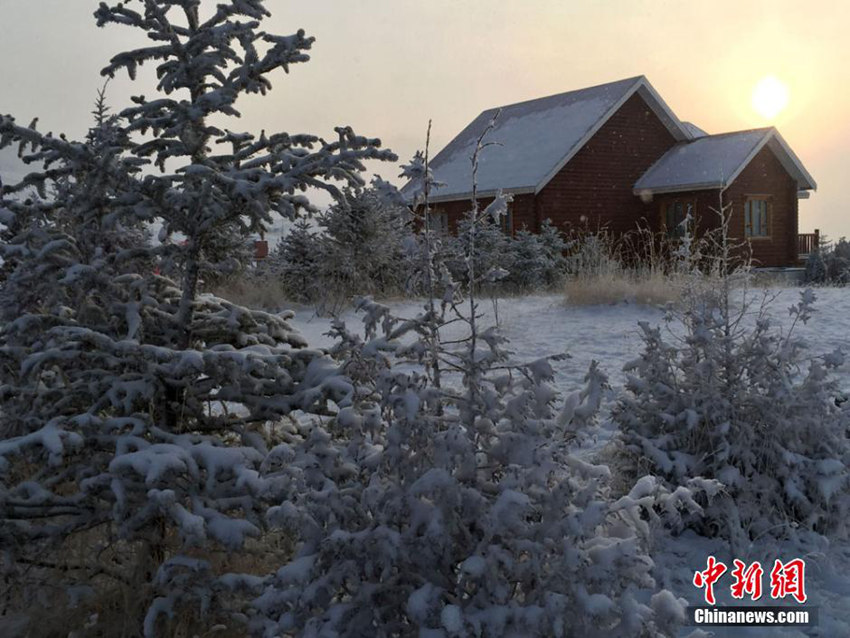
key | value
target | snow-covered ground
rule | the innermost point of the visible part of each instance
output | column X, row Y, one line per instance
column 540, row 325
column 543, row 324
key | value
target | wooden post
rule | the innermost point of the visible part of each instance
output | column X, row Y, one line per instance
column 261, row 249
column 816, row 247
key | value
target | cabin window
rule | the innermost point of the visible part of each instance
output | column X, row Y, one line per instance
column 757, row 217
column 674, row 214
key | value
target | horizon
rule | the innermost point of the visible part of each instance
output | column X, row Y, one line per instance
column 387, row 78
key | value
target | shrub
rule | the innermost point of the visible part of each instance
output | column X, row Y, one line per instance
column 356, row 247
column 830, row 264
column 734, row 400
column 370, row 245
column 539, row 261
column 457, row 509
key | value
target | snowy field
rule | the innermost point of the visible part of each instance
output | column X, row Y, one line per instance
column 541, row 325
column 544, row 324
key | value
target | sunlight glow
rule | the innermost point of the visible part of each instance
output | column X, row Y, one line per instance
column 770, row 97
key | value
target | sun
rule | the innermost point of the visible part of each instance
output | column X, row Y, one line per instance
column 770, row 96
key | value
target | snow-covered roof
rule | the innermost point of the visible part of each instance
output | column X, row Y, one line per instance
column 694, row 130
column 715, row 161
column 535, row 139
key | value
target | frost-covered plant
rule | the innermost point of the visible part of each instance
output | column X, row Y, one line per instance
column 356, row 247
column 815, row 272
column 134, row 426
column 593, row 254
column 457, row 509
column 362, row 246
column 429, row 271
column 829, row 264
column 296, row 262
column 726, row 396
column 493, row 250
column 227, row 256
column 539, row 259
column 58, row 227
column 408, row 521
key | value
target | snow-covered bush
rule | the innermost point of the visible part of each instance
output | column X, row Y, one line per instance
column 362, row 242
column 815, row 268
column 427, row 512
column 457, row 509
column 529, row 261
column 830, row 264
column 296, row 262
column 726, row 396
column 134, row 433
column 373, row 243
column 493, row 250
column 356, row 247
column 538, row 259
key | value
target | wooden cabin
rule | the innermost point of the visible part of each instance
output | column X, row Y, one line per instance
column 616, row 156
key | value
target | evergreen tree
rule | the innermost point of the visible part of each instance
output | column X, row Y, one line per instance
column 553, row 248
column 58, row 225
column 492, row 250
column 296, row 262
column 538, row 258
column 135, row 411
column 362, row 245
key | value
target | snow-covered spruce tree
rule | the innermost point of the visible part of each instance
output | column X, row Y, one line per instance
column 493, row 250
column 837, row 258
column 816, row 272
column 227, row 257
column 553, row 247
column 728, row 397
column 538, row 259
column 456, row 510
column 296, row 262
column 58, row 222
column 134, row 438
column 362, row 239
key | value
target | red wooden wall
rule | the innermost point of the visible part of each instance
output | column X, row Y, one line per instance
column 594, row 189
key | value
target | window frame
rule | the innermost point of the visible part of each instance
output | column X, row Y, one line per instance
column 688, row 205
column 768, row 216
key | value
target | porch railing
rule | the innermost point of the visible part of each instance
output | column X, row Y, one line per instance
column 807, row 243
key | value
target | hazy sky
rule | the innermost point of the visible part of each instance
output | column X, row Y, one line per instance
column 387, row 66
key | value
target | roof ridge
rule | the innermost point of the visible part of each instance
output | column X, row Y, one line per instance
column 631, row 80
column 544, row 133
column 741, row 132
column 690, row 166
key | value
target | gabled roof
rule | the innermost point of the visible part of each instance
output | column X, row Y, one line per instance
column 715, row 161
column 536, row 139
column 694, row 130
